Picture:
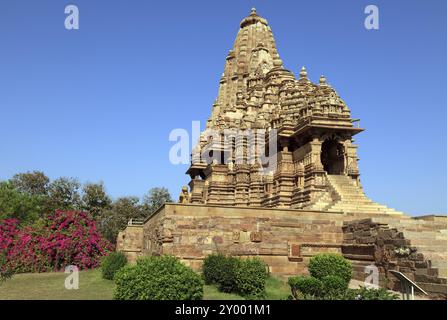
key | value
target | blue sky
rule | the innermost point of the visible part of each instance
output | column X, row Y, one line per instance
column 98, row 103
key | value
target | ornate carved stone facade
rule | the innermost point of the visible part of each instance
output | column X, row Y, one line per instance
column 313, row 127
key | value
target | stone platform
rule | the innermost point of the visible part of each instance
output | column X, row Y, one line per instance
column 287, row 238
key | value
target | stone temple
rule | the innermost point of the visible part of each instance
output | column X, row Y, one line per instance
column 309, row 201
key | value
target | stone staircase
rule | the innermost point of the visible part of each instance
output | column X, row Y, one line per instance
column 353, row 199
column 345, row 196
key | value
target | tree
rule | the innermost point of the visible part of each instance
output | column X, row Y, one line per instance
column 32, row 183
column 115, row 219
column 95, row 199
column 155, row 198
column 22, row 206
column 64, row 194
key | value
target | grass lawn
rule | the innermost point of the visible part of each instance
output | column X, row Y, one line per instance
column 50, row 286
column 276, row 289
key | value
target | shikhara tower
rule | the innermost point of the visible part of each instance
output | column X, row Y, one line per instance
column 316, row 160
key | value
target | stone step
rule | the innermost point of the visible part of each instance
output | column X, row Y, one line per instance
column 356, row 199
column 348, row 188
column 369, row 208
column 438, row 246
column 442, row 272
column 349, row 204
column 364, row 211
column 353, row 191
column 425, row 234
column 439, row 264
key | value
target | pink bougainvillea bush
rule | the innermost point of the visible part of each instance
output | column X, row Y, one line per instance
column 64, row 238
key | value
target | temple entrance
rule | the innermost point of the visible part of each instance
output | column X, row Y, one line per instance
column 333, row 157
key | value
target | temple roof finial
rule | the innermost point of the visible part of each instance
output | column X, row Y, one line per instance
column 303, row 73
column 322, row 80
column 277, row 62
column 253, row 18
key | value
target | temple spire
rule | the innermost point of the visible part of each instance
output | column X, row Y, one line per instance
column 322, row 80
column 254, row 50
column 303, row 73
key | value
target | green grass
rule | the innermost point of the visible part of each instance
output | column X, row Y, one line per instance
column 210, row 292
column 50, row 286
column 277, row 289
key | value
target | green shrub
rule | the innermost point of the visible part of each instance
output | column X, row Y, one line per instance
column 213, row 266
column 244, row 276
column 327, row 264
column 112, row 263
column 334, row 286
column 372, row 294
column 158, row 278
column 251, row 275
column 227, row 274
column 307, row 286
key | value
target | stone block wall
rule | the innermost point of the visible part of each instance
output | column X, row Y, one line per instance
column 285, row 239
column 130, row 242
column 368, row 243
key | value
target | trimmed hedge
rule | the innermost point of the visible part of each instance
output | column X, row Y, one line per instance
column 227, row 274
column 330, row 275
column 308, row 286
column 334, row 285
column 246, row 277
column 213, row 268
column 250, row 276
column 328, row 264
column 158, row 278
column 112, row 263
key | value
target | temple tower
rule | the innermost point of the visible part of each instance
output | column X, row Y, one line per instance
column 258, row 99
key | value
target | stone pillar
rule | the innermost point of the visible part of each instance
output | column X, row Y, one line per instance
column 256, row 187
column 298, row 186
column 284, row 177
column 351, row 167
column 268, row 194
column 196, row 186
column 220, row 191
column 242, row 185
column 315, row 176
column 256, row 191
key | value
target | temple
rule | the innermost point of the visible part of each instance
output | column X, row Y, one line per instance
column 275, row 175
column 316, row 158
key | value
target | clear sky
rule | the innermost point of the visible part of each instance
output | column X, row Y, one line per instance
column 99, row 103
